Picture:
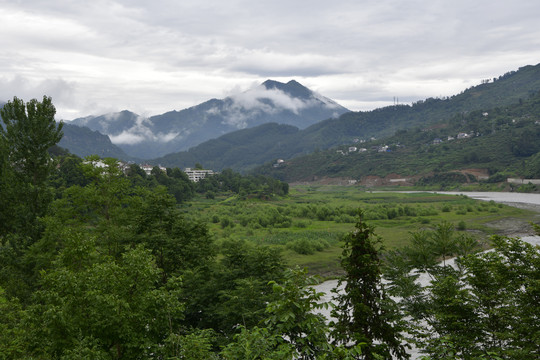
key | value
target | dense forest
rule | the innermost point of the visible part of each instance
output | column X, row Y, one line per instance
column 96, row 263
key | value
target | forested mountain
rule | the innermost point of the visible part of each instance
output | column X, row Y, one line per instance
column 259, row 145
column 502, row 142
column 239, row 150
column 272, row 101
column 83, row 142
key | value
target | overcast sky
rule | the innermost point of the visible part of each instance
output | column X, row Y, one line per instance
column 150, row 57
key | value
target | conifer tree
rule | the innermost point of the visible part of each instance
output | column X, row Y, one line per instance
column 29, row 131
column 364, row 314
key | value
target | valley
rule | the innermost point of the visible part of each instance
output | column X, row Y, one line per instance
column 307, row 225
column 116, row 260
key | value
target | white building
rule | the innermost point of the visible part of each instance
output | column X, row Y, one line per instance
column 148, row 168
column 196, row 175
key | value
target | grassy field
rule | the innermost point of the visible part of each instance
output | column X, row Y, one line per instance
column 308, row 224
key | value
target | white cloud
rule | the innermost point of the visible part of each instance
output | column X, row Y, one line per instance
column 255, row 99
column 127, row 137
column 139, row 132
column 240, row 106
column 155, row 56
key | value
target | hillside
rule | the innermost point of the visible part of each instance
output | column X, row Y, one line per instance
column 501, row 142
column 508, row 89
column 82, row 141
column 240, row 150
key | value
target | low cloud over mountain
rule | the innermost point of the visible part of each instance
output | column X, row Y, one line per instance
column 272, row 101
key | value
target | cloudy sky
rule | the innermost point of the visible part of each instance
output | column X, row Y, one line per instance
column 150, row 57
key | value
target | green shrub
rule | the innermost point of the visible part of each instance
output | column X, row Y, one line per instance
column 345, row 219
column 302, row 246
column 300, row 224
column 305, row 246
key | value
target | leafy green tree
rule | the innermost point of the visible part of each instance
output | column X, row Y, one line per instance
column 258, row 344
column 111, row 308
column 233, row 291
column 484, row 307
column 11, row 332
column 9, row 206
column 294, row 315
column 364, row 313
column 196, row 345
column 443, row 241
column 69, row 173
column 176, row 243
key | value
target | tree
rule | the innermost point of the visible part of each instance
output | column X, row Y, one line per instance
column 484, row 307
column 293, row 315
column 30, row 130
column 11, row 332
column 443, row 241
column 364, row 314
column 110, row 308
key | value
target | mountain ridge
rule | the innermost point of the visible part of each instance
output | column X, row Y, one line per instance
column 272, row 101
column 509, row 88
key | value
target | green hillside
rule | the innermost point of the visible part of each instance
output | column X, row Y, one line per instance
column 503, row 141
column 83, row 142
column 240, row 150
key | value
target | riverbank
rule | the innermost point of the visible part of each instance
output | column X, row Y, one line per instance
column 511, row 226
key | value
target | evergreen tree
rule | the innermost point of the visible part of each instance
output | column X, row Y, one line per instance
column 364, row 314
column 30, row 130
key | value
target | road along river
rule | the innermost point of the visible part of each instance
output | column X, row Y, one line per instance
column 519, row 200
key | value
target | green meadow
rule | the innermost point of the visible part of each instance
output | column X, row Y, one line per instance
column 308, row 224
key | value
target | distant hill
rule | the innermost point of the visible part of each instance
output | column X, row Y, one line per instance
column 82, row 141
column 272, row 101
column 507, row 89
column 240, row 150
column 497, row 143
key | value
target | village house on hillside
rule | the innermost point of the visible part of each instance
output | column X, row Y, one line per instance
column 148, row 168
column 196, row 175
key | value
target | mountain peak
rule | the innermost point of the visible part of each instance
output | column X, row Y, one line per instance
column 292, row 88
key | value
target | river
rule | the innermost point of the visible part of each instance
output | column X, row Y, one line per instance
column 520, row 200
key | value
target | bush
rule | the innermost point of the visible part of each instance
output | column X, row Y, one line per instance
column 226, row 222
column 345, row 219
column 300, row 224
column 302, row 246
column 305, row 246
column 461, row 225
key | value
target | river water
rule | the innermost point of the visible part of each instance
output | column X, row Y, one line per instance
column 520, row 200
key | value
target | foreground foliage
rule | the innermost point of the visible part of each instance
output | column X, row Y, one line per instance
column 486, row 305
